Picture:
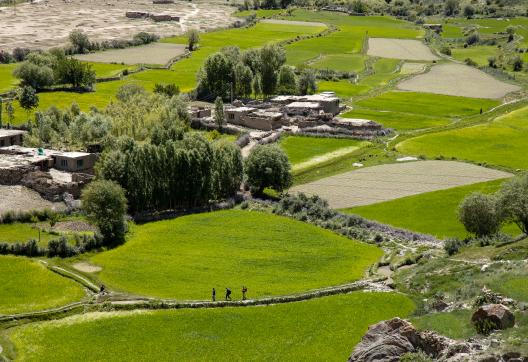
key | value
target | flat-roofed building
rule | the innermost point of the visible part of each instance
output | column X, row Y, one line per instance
column 11, row 137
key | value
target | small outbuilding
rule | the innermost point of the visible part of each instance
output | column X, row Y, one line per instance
column 74, row 161
column 235, row 115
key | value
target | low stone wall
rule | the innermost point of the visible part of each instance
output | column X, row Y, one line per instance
column 13, row 176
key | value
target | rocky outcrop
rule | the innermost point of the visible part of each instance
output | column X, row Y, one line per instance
column 387, row 341
column 493, row 316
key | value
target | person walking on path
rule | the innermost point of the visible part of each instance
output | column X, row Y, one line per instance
column 244, row 291
column 228, row 294
column 214, row 295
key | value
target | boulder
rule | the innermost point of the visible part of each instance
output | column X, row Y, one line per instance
column 493, row 316
column 387, row 341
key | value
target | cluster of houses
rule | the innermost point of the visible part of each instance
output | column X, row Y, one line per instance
column 315, row 113
column 50, row 172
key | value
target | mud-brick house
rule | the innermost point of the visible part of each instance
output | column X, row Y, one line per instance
column 74, row 161
column 11, row 137
column 235, row 115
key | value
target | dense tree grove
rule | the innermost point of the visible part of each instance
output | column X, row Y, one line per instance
column 257, row 71
column 183, row 172
column 43, row 70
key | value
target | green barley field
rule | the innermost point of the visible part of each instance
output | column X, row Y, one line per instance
column 271, row 255
column 27, row 285
column 327, row 328
column 432, row 213
column 502, row 142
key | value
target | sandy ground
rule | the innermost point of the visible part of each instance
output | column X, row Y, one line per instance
column 155, row 53
column 292, row 22
column 20, row 198
column 386, row 182
column 87, row 268
column 458, row 80
column 74, row 226
column 47, row 23
column 399, row 49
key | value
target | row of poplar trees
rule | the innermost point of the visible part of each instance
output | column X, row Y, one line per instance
column 178, row 173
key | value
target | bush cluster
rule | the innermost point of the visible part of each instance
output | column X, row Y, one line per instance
column 56, row 247
column 11, row 216
column 17, row 55
column 80, row 43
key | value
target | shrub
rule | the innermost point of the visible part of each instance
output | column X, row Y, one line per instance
column 492, row 62
column 79, row 41
column 169, row 90
column 445, row 50
column 473, row 38
column 478, row 213
column 268, row 166
column 469, row 11
column 517, row 64
column 193, row 37
column 452, row 246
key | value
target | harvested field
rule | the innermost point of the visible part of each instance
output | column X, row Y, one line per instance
column 292, row 22
column 412, row 68
column 46, row 24
column 399, row 49
column 155, row 53
column 458, row 80
column 387, row 182
column 20, row 198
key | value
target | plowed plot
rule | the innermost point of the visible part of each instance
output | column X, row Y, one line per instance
column 399, row 49
column 458, row 80
column 387, row 182
column 156, row 53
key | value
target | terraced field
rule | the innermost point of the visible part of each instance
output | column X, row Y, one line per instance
column 221, row 334
column 501, row 142
column 269, row 254
column 28, row 286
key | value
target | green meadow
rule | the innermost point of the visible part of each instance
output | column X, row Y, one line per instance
column 456, row 324
column 478, row 54
column 432, row 213
column 23, row 232
column 271, row 255
column 341, row 62
column 398, row 120
column 327, row 328
column 502, row 142
column 27, row 285
column 105, row 70
column 301, row 148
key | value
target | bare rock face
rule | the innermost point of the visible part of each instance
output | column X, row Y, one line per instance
column 387, row 341
column 493, row 316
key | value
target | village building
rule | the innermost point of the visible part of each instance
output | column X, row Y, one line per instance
column 328, row 102
column 10, row 137
column 263, row 120
column 235, row 115
column 302, row 108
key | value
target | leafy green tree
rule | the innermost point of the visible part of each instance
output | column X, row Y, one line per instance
column 28, row 98
column 170, row 90
column 479, row 214
column 105, row 204
column 1, row 111
column 469, row 11
column 268, row 166
column 451, row 7
column 307, row 83
column 513, row 201
column 10, row 111
column 358, row 7
column 257, row 85
column 193, row 37
column 287, row 80
column 517, row 64
column 79, row 41
column 228, row 169
column 128, row 91
column 243, row 79
column 37, row 76
column 74, row 72
column 219, row 116
column 272, row 57
column 217, row 75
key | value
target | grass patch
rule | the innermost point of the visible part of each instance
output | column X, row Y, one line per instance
column 269, row 254
column 515, row 287
column 106, row 70
column 432, row 105
column 28, row 286
column 341, row 62
column 23, row 232
column 502, row 142
column 327, row 328
column 302, row 148
column 432, row 213
column 456, row 324
column 398, row 120
column 7, row 80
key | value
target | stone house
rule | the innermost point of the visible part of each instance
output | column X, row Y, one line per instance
column 235, row 115
column 328, row 102
column 302, row 108
column 263, row 120
column 11, row 137
column 74, row 161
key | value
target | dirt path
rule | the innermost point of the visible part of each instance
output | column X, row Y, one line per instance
column 325, row 157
